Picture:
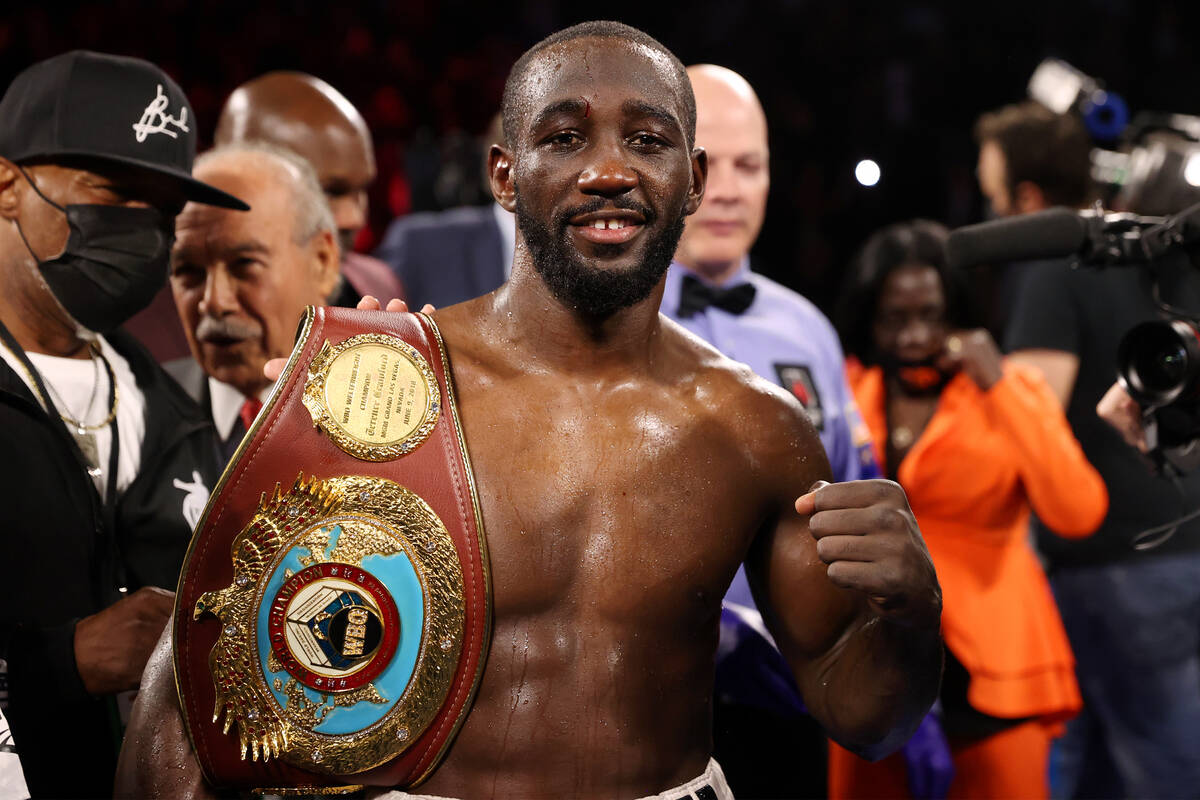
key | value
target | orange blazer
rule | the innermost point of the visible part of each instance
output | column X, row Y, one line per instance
column 981, row 462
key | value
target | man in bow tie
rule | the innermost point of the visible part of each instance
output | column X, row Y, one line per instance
column 784, row 338
column 712, row 292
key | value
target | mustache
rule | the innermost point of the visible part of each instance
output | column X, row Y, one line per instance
column 218, row 328
column 600, row 204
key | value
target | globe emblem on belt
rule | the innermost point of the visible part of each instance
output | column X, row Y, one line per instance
column 333, row 627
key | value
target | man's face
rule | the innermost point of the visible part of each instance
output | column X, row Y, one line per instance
column 45, row 227
column 240, row 279
column 602, row 172
column 731, row 128
column 992, row 172
column 345, row 166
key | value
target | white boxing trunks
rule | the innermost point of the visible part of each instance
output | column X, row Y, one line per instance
column 710, row 785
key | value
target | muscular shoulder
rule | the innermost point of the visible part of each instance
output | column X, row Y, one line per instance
column 771, row 428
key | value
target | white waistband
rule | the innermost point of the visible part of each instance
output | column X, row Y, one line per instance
column 712, row 777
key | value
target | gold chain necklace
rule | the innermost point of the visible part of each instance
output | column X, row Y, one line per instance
column 79, row 427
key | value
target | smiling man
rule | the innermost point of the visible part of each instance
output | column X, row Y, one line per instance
column 625, row 470
column 242, row 280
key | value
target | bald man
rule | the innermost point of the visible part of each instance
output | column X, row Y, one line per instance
column 310, row 118
column 241, row 281
column 306, row 115
column 785, row 339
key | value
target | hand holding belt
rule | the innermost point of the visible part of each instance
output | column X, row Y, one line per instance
column 330, row 628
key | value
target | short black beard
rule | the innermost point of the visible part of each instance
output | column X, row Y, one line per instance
column 577, row 284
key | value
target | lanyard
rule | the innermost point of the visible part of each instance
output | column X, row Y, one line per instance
column 106, row 519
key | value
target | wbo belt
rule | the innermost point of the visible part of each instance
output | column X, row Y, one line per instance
column 331, row 626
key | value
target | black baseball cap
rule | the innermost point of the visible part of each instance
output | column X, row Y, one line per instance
column 108, row 108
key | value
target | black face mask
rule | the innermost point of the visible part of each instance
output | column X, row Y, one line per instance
column 920, row 378
column 114, row 263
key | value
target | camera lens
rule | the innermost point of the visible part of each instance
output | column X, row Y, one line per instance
column 1160, row 361
column 1164, row 369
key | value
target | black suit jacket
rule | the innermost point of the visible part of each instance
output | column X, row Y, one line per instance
column 445, row 257
column 191, row 376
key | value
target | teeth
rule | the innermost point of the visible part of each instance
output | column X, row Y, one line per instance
column 612, row 224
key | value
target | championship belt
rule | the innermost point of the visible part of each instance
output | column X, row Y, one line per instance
column 331, row 625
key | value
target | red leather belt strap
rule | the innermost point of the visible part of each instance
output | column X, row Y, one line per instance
column 283, row 442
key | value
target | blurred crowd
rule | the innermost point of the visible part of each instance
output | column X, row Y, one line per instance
column 368, row 159
column 894, row 82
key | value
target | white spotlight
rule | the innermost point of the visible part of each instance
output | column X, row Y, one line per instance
column 867, row 172
column 1191, row 170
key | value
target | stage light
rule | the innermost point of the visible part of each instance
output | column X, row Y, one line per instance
column 867, row 172
column 1191, row 170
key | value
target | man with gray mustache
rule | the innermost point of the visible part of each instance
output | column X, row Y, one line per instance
column 241, row 281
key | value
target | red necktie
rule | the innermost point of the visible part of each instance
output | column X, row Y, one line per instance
column 249, row 411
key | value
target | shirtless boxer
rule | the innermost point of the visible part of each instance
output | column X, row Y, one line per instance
column 625, row 469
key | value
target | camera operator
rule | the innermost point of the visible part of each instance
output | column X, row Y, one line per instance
column 1132, row 616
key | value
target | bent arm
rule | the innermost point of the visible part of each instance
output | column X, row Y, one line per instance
column 156, row 758
column 849, row 592
column 1065, row 490
column 868, row 678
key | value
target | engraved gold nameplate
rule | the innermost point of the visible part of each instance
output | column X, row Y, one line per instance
column 374, row 395
column 342, row 627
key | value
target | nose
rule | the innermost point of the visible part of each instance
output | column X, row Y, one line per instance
column 220, row 294
column 349, row 210
column 917, row 337
column 609, row 174
column 721, row 186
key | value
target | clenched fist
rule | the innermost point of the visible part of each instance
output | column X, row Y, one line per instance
column 868, row 536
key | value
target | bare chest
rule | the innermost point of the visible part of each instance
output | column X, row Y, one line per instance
column 605, row 505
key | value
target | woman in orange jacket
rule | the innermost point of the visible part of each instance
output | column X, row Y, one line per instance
column 976, row 444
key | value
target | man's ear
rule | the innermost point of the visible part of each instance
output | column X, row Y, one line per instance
column 10, row 199
column 699, row 179
column 1029, row 197
column 500, row 177
column 327, row 263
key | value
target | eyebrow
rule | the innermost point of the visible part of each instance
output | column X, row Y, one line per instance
column 574, row 106
column 644, row 109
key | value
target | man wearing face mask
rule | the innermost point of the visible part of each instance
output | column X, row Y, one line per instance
column 107, row 463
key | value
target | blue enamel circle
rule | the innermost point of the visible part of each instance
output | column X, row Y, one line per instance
column 398, row 574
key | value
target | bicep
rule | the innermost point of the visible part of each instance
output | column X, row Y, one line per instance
column 805, row 612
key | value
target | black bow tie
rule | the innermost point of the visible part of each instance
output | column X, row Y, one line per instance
column 697, row 296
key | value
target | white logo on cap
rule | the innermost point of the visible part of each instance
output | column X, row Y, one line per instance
column 155, row 119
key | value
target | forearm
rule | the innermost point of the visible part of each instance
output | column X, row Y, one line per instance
column 872, row 689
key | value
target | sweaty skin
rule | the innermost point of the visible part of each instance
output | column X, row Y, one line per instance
column 625, row 469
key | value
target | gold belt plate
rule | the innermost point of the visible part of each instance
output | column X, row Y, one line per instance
column 374, row 395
